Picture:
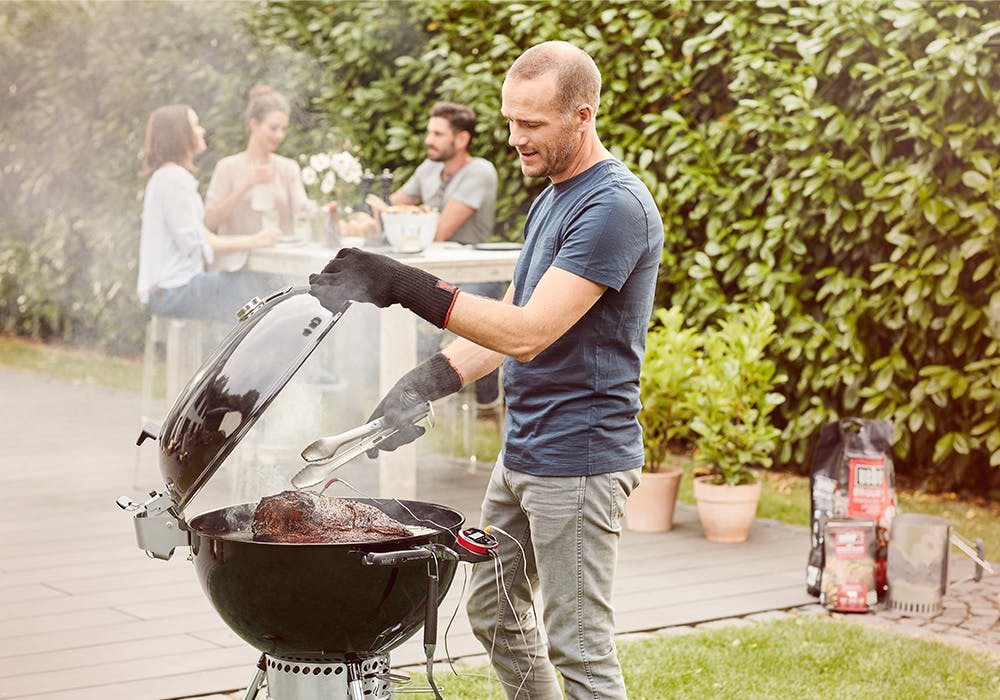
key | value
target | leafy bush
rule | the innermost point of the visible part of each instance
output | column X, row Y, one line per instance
column 669, row 375
column 732, row 397
column 840, row 166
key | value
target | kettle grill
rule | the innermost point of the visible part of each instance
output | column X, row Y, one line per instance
column 323, row 615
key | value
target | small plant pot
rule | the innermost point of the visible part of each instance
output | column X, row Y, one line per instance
column 726, row 512
column 650, row 507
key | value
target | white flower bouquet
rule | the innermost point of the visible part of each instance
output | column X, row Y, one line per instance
column 333, row 175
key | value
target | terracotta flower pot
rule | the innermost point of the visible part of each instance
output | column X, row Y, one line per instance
column 726, row 512
column 650, row 507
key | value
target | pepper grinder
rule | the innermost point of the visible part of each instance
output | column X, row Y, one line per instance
column 386, row 185
column 366, row 187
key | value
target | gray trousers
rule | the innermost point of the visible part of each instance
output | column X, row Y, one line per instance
column 569, row 529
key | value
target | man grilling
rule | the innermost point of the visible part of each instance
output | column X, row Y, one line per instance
column 570, row 333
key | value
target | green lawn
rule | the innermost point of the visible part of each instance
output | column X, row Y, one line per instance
column 69, row 363
column 805, row 657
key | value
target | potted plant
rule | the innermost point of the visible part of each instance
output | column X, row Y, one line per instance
column 732, row 400
column 668, row 368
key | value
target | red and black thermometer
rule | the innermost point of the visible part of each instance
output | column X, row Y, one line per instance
column 475, row 545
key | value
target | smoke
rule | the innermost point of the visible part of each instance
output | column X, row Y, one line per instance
column 78, row 81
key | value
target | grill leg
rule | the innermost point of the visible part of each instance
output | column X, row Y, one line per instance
column 258, row 681
column 354, row 684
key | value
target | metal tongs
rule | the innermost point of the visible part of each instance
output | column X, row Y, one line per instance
column 327, row 454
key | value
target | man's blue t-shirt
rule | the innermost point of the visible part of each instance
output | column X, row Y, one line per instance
column 572, row 410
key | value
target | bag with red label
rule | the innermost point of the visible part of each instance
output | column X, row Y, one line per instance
column 851, row 476
column 848, row 580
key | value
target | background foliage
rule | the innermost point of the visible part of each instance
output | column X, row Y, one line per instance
column 837, row 160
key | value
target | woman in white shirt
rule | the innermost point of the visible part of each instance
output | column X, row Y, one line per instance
column 257, row 181
column 175, row 245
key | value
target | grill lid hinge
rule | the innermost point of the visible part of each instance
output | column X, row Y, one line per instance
column 157, row 528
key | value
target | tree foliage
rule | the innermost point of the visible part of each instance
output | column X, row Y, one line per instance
column 77, row 83
column 836, row 160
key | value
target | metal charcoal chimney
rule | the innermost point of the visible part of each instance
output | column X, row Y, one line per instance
column 918, row 564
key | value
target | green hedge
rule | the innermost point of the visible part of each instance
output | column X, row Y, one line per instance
column 848, row 180
column 837, row 159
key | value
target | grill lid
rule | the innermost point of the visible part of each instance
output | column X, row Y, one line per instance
column 234, row 386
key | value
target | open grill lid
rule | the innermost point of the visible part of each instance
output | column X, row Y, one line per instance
column 234, row 386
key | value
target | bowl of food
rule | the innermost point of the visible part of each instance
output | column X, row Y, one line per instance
column 409, row 229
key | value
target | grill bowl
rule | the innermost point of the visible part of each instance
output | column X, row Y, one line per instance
column 319, row 602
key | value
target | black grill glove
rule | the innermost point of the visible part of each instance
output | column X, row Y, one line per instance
column 429, row 381
column 360, row 276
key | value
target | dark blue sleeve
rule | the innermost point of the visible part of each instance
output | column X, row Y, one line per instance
column 605, row 238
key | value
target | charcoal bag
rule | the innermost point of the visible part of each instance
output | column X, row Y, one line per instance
column 851, row 476
column 848, row 579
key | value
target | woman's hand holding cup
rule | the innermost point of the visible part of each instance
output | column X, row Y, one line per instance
column 267, row 236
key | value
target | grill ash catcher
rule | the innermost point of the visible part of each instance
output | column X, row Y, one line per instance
column 323, row 615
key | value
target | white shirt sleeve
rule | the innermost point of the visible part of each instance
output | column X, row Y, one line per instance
column 173, row 247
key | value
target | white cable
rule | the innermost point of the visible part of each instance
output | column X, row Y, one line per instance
column 398, row 502
column 510, row 604
column 338, row 480
column 498, row 578
column 415, row 517
column 458, row 605
column 501, row 586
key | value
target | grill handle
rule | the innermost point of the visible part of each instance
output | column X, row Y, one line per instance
column 397, row 558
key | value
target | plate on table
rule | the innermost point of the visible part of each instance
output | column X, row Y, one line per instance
column 498, row 245
column 291, row 240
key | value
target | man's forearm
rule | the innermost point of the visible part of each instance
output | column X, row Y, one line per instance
column 399, row 198
column 470, row 360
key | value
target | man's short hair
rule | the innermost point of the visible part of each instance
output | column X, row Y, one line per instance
column 578, row 79
column 459, row 117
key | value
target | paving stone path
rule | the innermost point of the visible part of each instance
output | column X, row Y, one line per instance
column 970, row 616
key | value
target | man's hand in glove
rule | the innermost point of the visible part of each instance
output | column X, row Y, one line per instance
column 380, row 280
column 431, row 380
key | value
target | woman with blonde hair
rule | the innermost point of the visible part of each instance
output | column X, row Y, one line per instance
column 175, row 245
column 256, row 182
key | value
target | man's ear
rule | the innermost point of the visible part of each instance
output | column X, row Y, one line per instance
column 463, row 138
column 585, row 114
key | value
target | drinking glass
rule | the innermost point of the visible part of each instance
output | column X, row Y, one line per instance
column 269, row 219
column 303, row 225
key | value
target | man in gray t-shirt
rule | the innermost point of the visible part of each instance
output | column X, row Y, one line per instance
column 462, row 187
